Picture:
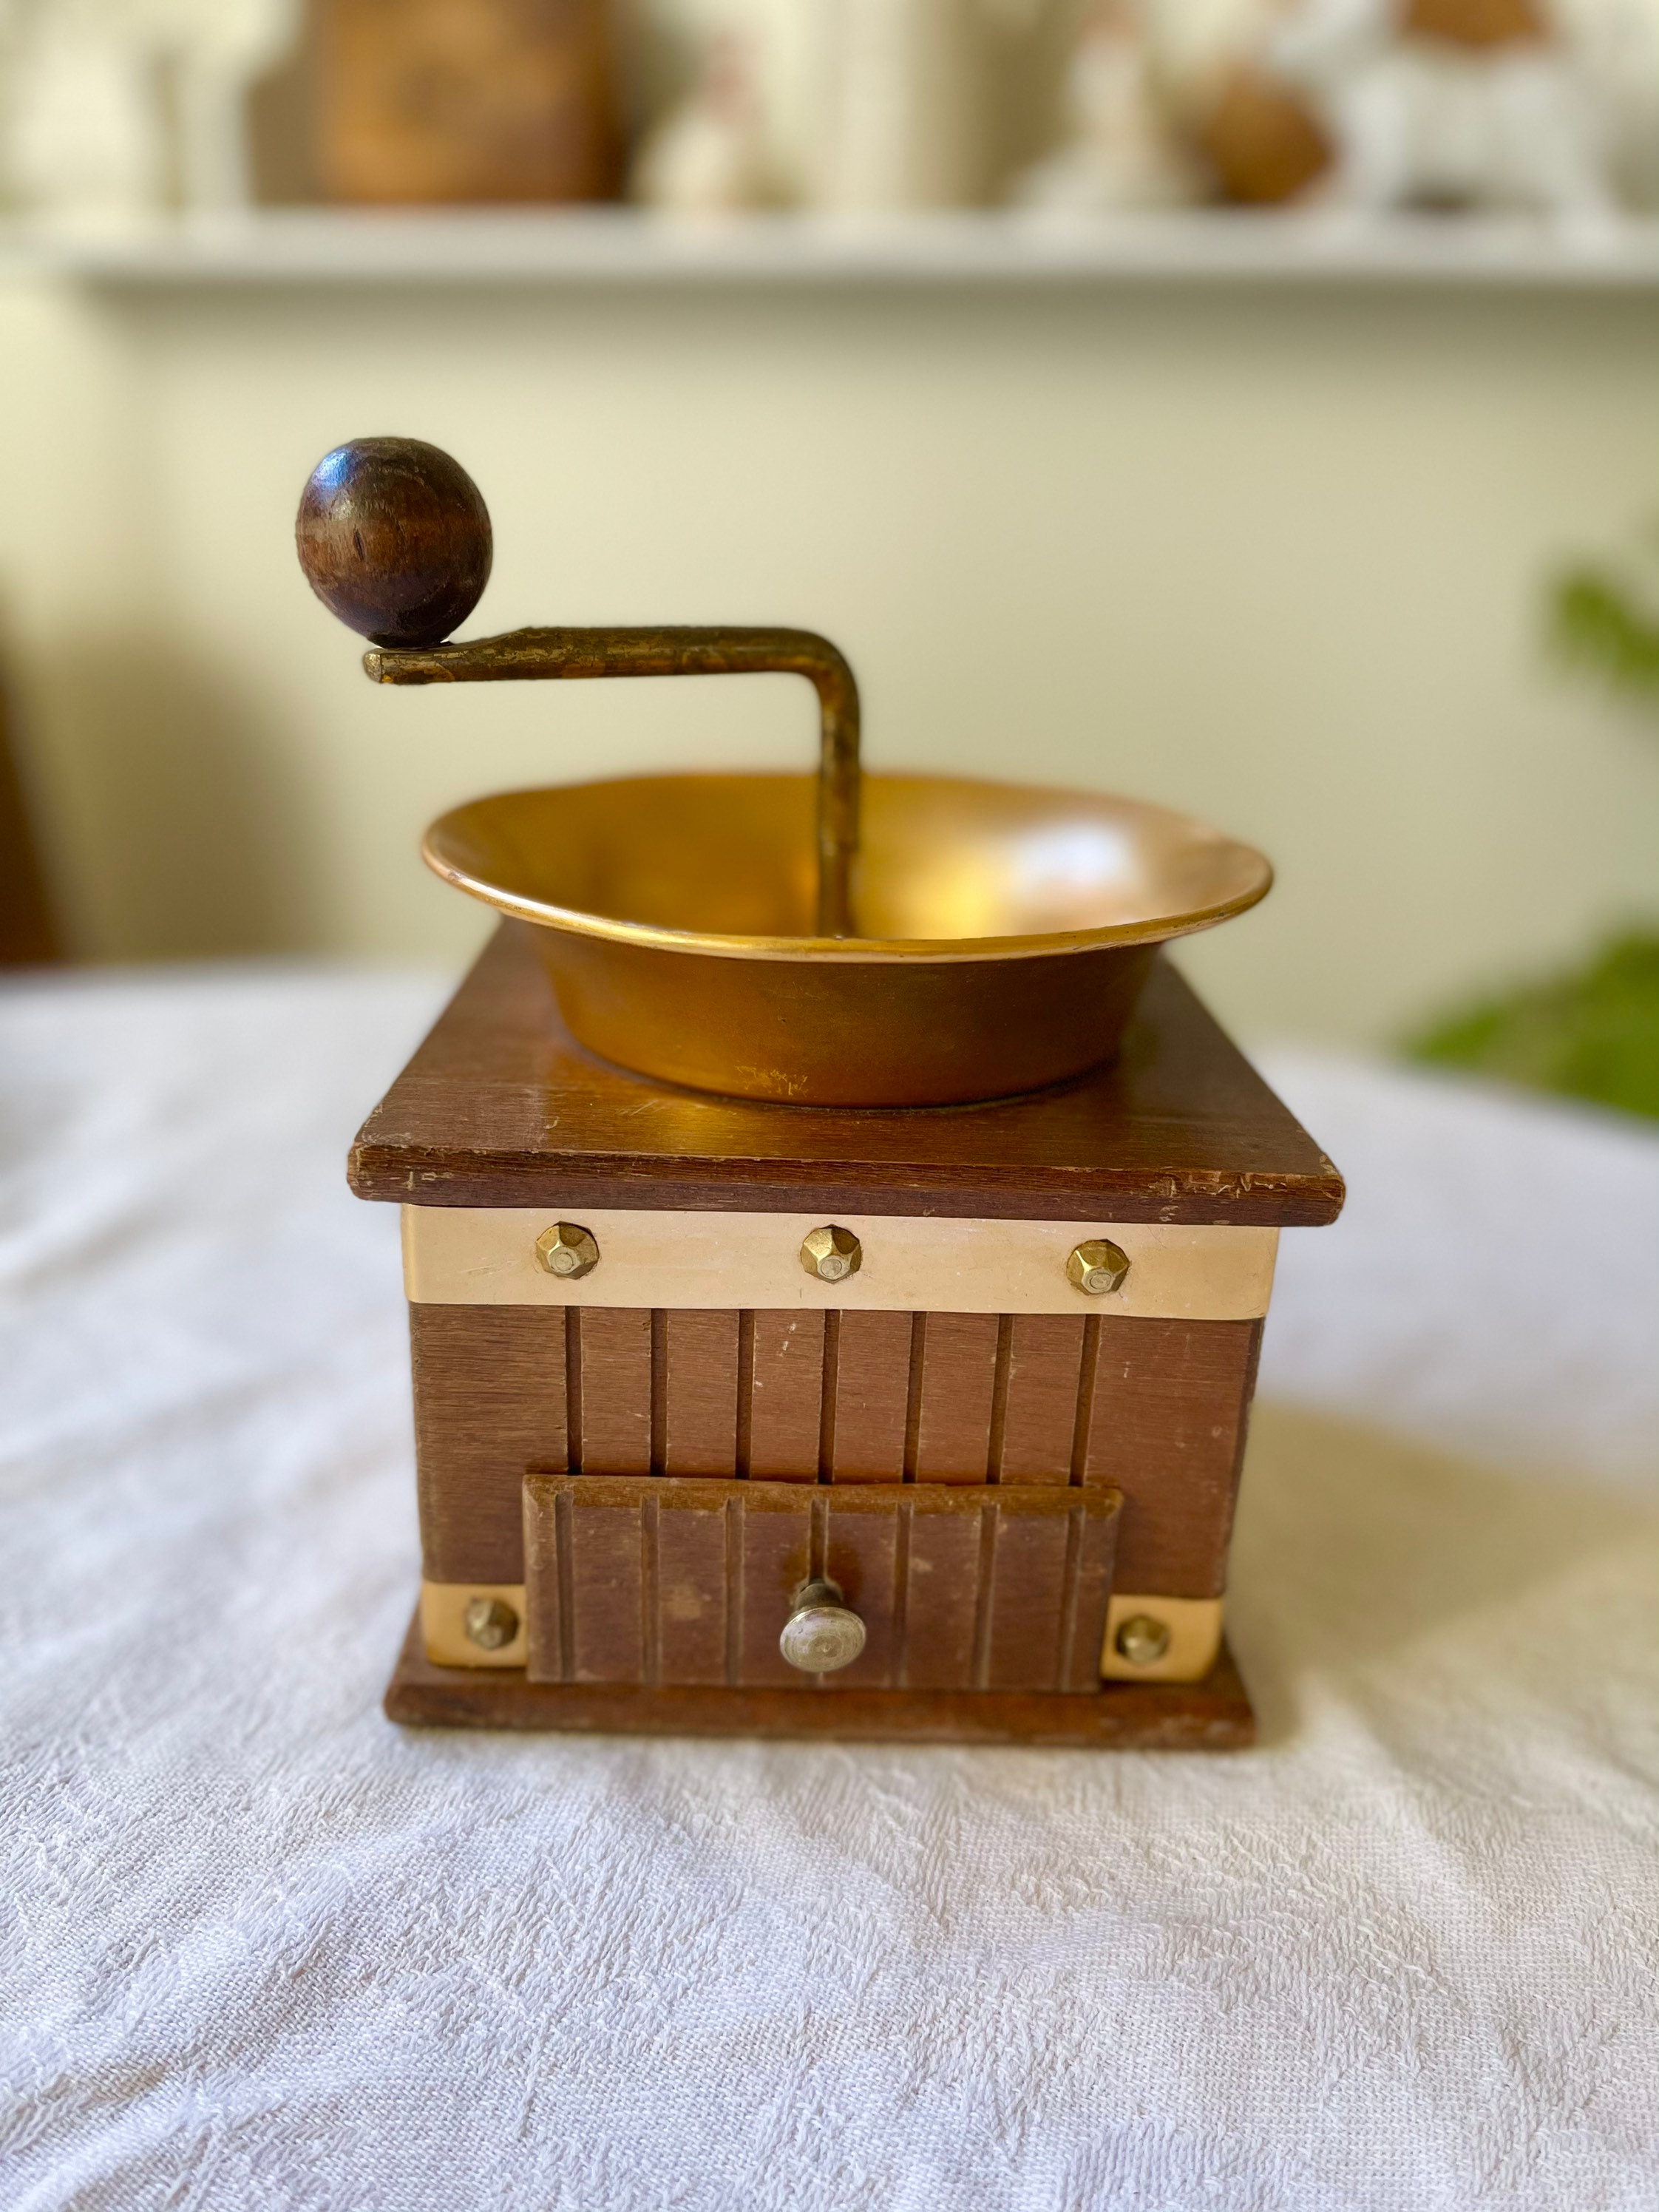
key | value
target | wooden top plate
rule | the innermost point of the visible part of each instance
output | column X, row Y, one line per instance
column 500, row 1107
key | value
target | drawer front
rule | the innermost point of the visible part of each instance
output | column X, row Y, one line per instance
column 666, row 1580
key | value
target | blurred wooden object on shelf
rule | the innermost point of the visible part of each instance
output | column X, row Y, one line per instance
column 28, row 936
column 424, row 101
column 1473, row 22
column 1261, row 140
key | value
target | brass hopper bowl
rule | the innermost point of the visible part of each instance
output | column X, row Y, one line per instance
column 846, row 940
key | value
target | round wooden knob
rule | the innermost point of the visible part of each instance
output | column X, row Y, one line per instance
column 394, row 537
column 820, row 1633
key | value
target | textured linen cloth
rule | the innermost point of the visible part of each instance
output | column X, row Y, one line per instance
column 260, row 1949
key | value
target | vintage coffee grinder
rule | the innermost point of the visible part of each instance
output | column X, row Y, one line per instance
column 837, row 1245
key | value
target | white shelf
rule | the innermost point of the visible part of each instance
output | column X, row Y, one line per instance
column 621, row 246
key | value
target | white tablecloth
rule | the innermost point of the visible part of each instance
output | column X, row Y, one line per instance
column 261, row 1948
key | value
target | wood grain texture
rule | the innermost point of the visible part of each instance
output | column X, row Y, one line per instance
column 614, row 1434
column 667, row 1580
column 786, row 1401
column 1161, row 1416
column 489, row 1402
column 1044, row 1357
column 954, row 1384
column 700, row 1413
column 870, row 1387
column 1169, row 1408
column 499, row 1108
column 1214, row 1715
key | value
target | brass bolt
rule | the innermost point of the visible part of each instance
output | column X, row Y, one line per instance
column 1142, row 1640
column 566, row 1249
column 831, row 1253
column 1097, row 1267
column 489, row 1623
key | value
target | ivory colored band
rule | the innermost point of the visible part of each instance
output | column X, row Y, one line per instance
column 486, row 1255
column 1195, row 1630
column 443, row 1624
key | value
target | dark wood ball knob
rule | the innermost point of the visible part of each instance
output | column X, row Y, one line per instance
column 394, row 537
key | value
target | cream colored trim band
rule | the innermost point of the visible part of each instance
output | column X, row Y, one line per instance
column 1193, row 1628
column 486, row 1255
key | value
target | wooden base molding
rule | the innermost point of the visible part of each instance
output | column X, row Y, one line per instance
column 1214, row 1715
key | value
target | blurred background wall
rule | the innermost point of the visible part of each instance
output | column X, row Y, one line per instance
column 1274, row 556
column 1275, row 552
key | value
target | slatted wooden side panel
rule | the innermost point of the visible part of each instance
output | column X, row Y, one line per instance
column 489, row 1401
column 1155, row 1409
column 1168, row 1404
column 673, row 1580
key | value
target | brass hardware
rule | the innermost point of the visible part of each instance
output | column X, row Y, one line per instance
column 489, row 1622
column 460, row 1255
column 1097, row 1267
column 568, row 1250
column 831, row 1253
column 533, row 655
column 1141, row 1640
column 1191, row 1627
column 1005, row 931
column 820, row 1633
column 445, row 1630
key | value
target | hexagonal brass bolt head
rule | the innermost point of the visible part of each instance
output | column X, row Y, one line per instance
column 831, row 1253
column 566, row 1249
column 489, row 1623
column 1142, row 1640
column 1097, row 1267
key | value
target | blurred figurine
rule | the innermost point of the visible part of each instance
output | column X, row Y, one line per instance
column 904, row 90
column 1461, row 102
column 712, row 155
column 1122, row 150
column 120, row 108
column 220, row 49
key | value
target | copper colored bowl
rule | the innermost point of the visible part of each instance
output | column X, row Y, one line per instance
column 1005, row 931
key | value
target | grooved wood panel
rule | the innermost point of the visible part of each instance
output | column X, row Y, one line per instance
column 663, row 1581
column 700, row 1410
column 1039, row 1413
column 954, row 1387
column 612, row 1434
column 871, row 1369
column 1170, row 1401
column 786, row 1402
column 499, row 1108
column 489, row 1402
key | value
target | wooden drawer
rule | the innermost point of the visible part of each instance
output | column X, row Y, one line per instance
column 666, row 1580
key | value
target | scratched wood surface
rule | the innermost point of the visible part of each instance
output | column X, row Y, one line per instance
column 498, row 1107
column 673, row 1580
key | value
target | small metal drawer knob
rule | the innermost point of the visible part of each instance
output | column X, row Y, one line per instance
column 820, row 1633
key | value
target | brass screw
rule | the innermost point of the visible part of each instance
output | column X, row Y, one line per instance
column 1097, row 1267
column 566, row 1249
column 831, row 1253
column 489, row 1623
column 1142, row 1640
